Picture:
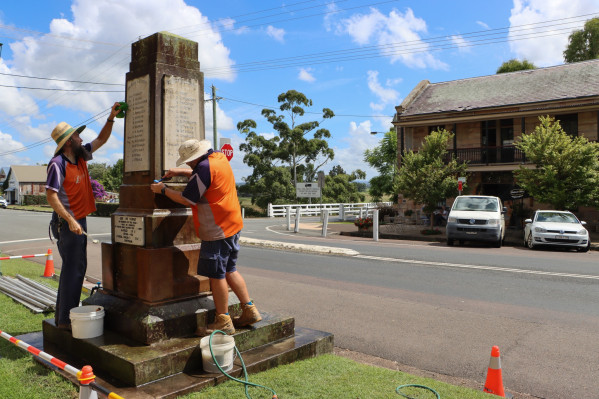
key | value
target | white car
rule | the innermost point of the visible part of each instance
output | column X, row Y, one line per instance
column 556, row 228
column 3, row 202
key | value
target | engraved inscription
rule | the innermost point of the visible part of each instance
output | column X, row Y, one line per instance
column 129, row 230
column 137, row 125
column 181, row 116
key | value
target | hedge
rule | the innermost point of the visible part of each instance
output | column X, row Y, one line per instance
column 105, row 209
column 35, row 200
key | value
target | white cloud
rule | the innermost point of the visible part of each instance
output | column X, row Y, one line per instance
column 461, row 43
column 276, row 33
column 386, row 95
column 305, row 75
column 351, row 157
column 547, row 50
column 399, row 35
column 484, row 25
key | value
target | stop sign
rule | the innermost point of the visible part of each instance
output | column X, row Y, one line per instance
column 227, row 150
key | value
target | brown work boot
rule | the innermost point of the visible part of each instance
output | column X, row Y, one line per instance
column 221, row 322
column 250, row 315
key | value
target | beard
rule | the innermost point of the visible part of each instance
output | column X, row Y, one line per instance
column 81, row 151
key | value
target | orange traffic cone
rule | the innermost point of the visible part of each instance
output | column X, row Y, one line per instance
column 494, row 383
column 49, row 270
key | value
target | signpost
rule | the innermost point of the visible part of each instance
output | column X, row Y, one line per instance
column 307, row 190
column 227, row 149
column 461, row 181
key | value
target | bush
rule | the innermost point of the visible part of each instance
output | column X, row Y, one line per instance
column 363, row 223
column 105, row 209
column 254, row 213
column 35, row 200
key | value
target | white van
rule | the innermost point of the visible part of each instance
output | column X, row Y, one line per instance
column 476, row 218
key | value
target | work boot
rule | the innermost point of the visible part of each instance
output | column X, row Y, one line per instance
column 250, row 315
column 221, row 322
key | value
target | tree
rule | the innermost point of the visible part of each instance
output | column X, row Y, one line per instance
column 341, row 187
column 292, row 149
column 424, row 176
column 97, row 171
column 384, row 159
column 583, row 44
column 514, row 65
column 567, row 168
column 113, row 178
column 295, row 147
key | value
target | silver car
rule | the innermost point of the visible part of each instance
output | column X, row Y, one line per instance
column 3, row 202
column 556, row 228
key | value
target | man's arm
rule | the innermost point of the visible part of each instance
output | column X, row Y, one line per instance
column 106, row 130
column 55, row 203
column 173, row 195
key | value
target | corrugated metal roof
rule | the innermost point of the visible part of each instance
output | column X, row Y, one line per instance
column 568, row 81
column 29, row 174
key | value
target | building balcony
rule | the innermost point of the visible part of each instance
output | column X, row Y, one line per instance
column 508, row 154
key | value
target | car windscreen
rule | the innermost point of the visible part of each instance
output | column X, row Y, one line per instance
column 480, row 204
column 556, row 217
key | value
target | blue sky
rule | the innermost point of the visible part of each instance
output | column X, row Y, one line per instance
column 359, row 58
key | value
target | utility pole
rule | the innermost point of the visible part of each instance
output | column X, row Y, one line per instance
column 214, row 134
column 0, row 51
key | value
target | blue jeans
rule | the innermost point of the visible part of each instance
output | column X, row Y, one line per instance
column 73, row 251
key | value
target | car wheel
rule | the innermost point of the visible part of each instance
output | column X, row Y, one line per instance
column 529, row 243
column 498, row 242
column 450, row 242
column 585, row 249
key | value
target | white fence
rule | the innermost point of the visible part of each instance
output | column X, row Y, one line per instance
column 344, row 211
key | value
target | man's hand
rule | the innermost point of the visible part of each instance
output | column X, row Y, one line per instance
column 157, row 187
column 75, row 227
column 114, row 111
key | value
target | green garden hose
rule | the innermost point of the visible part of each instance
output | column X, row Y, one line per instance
column 245, row 381
column 415, row 386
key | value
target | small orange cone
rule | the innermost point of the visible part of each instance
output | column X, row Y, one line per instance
column 49, row 270
column 494, row 383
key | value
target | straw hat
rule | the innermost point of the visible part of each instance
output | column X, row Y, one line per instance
column 192, row 149
column 63, row 132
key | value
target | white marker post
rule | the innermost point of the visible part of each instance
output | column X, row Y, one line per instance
column 325, row 222
column 297, row 220
column 288, row 208
column 375, row 225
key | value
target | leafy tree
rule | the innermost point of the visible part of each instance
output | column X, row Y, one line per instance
column 336, row 170
column 113, row 179
column 583, row 44
column 292, row 149
column 384, row 159
column 295, row 147
column 341, row 187
column 97, row 171
column 514, row 65
column 424, row 176
column 567, row 168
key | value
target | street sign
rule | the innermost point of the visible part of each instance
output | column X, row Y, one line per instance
column 517, row 193
column 307, row 190
column 227, row 150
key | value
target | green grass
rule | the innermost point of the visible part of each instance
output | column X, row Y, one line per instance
column 326, row 376
column 20, row 376
column 331, row 376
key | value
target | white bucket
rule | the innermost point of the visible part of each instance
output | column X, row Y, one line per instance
column 223, row 347
column 87, row 321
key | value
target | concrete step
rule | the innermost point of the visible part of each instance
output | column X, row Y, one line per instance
column 129, row 363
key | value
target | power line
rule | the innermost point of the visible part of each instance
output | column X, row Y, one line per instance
column 61, row 80
column 56, row 89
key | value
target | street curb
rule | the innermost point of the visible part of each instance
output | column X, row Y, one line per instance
column 298, row 247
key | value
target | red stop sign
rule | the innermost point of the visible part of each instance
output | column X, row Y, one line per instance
column 227, row 150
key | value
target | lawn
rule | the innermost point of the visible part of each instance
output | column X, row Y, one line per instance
column 326, row 376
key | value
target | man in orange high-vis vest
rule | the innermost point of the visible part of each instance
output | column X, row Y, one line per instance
column 212, row 196
column 70, row 194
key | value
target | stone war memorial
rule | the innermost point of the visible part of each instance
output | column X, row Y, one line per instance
column 152, row 297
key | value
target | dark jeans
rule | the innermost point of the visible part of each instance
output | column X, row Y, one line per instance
column 73, row 251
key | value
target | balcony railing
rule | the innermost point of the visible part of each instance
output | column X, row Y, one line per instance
column 488, row 155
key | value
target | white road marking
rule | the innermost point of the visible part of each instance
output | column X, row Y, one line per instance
column 480, row 267
column 45, row 238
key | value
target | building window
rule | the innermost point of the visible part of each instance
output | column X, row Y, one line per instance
column 569, row 123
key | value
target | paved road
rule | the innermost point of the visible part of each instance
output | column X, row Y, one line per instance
column 432, row 307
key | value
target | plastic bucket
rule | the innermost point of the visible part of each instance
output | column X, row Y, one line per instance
column 223, row 347
column 87, row 321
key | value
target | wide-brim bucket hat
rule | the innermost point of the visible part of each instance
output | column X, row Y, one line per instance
column 192, row 149
column 62, row 133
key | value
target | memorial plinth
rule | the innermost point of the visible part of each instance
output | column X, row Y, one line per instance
column 152, row 296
